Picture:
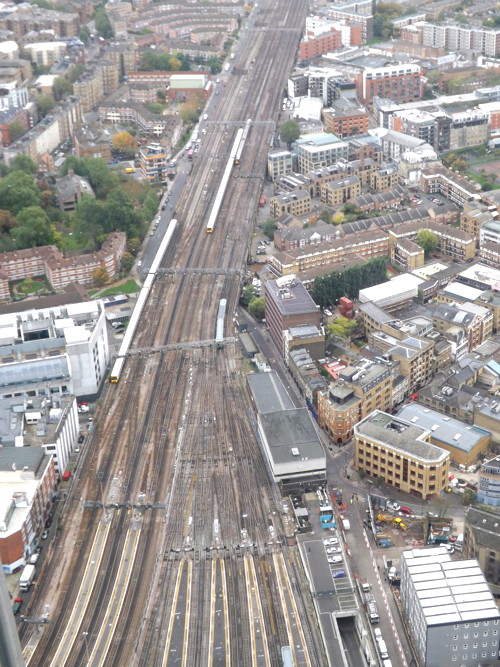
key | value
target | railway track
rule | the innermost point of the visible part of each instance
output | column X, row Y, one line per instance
column 175, row 431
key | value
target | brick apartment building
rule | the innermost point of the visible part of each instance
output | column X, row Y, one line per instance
column 312, row 46
column 288, row 304
column 59, row 270
column 398, row 82
column 345, row 123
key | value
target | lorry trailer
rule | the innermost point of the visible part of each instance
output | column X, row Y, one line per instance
column 27, row 576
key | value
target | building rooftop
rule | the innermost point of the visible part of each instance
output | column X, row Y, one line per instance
column 483, row 275
column 448, row 591
column 461, row 291
column 292, row 298
column 446, row 430
column 404, row 436
column 292, row 437
column 268, row 392
column 391, row 290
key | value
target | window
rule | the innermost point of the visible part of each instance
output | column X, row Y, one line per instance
column 455, row 637
column 454, row 658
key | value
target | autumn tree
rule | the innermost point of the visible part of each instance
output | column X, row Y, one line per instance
column 124, row 142
column 189, row 112
column 100, row 276
column 7, row 221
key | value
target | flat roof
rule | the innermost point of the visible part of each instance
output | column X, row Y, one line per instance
column 291, row 299
column 447, row 591
column 447, row 430
column 481, row 273
column 391, row 290
column 462, row 291
column 269, row 393
column 292, row 438
column 402, row 435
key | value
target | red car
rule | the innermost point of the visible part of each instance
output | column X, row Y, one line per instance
column 406, row 510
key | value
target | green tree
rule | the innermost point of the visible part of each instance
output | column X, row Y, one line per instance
column 16, row 130
column 33, row 228
column 247, row 295
column 18, row 190
column 326, row 215
column 102, row 24
column 256, row 308
column 269, row 227
column 76, row 72
column 61, row 88
column 160, row 95
column 45, row 103
column 156, row 108
column 127, row 262
column 89, row 219
column 214, row 65
column 289, row 132
column 328, row 289
column 428, row 241
column 120, row 214
column 100, row 276
column 84, row 34
column 23, row 163
column 342, row 327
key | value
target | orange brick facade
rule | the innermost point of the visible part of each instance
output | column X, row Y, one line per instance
column 312, row 47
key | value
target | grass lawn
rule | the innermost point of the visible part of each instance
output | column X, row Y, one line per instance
column 29, row 286
column 130, row 287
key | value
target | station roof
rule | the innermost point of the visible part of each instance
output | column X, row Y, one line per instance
column 292, row 437
column 269, row 392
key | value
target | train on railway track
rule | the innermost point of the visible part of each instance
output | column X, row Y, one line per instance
column 234, row 158
column 219, row 329
column 143, row 295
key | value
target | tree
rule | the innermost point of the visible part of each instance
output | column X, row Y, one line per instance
column 102, row 24
column 325, row 215
column 160, row 94
column 75, row 72
column 156, row 108
column 18, row 190
column 269, row 227
column 84, row 34
column 33, row 228
column 189, row 112
column 120, row 214
column 127, row 262
column 247, row 295
column 61, row 88
column 134, row 246
column 23, row 163
column 16, row 130
column 45, row 103
column 338, row 218
column 100, row 276
column 256, row 308
column 328, row 289
column 289, row 132
column 7, row 222
column 124, row 142
column 342, row 327
column 427, row 240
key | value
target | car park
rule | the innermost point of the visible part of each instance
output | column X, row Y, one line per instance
column 335, row 559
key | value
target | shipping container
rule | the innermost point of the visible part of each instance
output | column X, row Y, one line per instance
column 262, row 201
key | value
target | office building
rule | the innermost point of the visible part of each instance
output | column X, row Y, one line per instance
column 449, row 609
column 279, row 163
column 398, row 82
column 481, row 530
column 288, row 304
column 319, row 150
column 53, row 351
column 464, row 442
column 401, row 453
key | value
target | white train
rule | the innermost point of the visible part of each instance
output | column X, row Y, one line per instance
column 234, row 158
column 143, row 295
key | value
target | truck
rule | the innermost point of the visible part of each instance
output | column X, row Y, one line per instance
column 346, row 525
column 371, row 608
column 27, row 576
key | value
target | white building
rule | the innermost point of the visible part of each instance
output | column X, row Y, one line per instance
column 45, row 53
column 400, row 289
column 61, row 350
column 449, row 608
column 490, row 232
column 319, row 150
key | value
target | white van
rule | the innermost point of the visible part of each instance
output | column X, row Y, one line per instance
column 205, row 116
column 382, row 649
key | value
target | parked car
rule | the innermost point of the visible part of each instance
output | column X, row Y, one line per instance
column 338, row 574
column 335, row 550
column 331, row 541
column 393, row 506
column 33, row 558
column 139, row 264
column 45, row 534
column 38, row 549
column 406, row 510
column 335, row 559
column 80, row 438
